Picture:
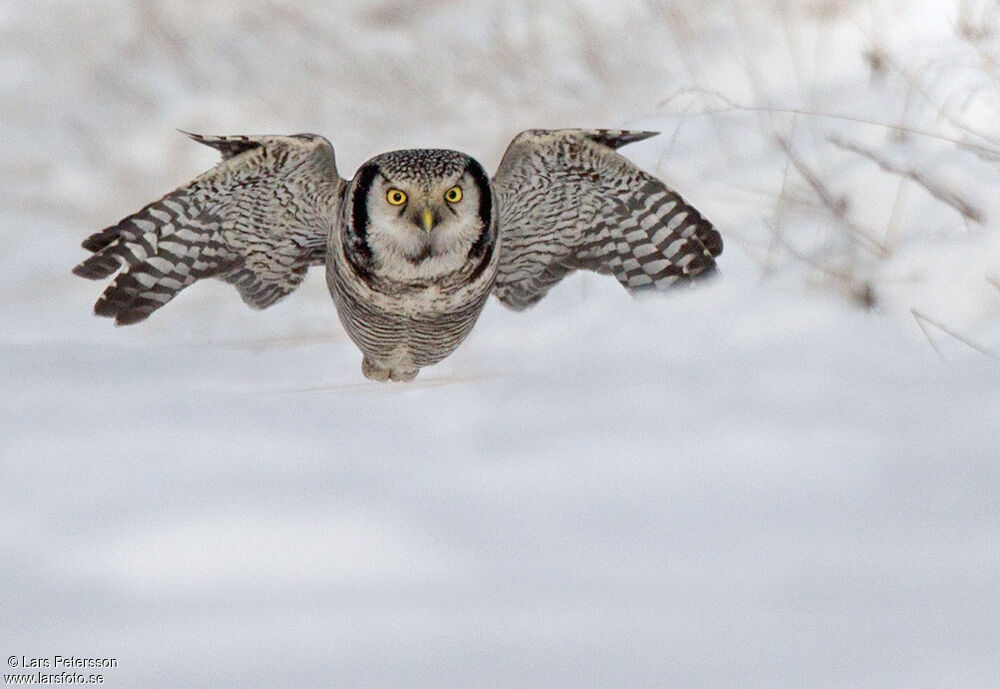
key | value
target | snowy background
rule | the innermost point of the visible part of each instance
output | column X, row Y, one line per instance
column 786, row 478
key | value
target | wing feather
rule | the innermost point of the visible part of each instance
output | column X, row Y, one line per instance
column 568, row 201
column 257, row 220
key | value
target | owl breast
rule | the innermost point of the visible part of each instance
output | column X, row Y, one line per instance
column 408, row 325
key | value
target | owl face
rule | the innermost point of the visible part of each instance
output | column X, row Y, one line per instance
column 420, row 212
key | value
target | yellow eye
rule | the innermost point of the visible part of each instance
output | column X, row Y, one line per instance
column 395, row 197
column 453, row 195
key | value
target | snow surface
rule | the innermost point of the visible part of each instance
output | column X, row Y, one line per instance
column 756, row 483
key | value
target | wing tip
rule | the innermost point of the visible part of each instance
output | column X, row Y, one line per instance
column 616, row 138
column 200, row 138
column 612, row 138
column 228, row 146
column 126, row 302
column 84, row 270
column 96, row 267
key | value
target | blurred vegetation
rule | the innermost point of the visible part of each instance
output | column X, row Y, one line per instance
column 821, row 135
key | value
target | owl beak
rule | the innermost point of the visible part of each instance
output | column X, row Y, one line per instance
column 427, row 220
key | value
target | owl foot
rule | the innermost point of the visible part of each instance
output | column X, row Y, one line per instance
column 373, row 371
column 403, row 375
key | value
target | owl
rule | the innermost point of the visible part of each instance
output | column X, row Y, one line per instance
column 414, row 244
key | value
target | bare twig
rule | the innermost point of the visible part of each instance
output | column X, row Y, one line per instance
column 683, row 39
column 779, row 210
column 987, row 152
column 923, row 329
column 933, row 187
column 918, row 87
column 922, row 318
column 861, row 291
column 836, row 205
column 671, row 143
column 897, row 205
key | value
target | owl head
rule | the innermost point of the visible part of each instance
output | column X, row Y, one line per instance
column 419, row 213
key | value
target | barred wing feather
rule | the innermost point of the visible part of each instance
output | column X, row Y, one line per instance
column 257, row 220
column 569, row 201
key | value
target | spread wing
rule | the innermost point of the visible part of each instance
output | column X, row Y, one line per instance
column 257, row 220
column 568, row 201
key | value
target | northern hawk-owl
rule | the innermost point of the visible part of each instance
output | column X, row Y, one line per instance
column 414, row 244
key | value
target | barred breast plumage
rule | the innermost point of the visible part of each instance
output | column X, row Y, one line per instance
column 414, row 244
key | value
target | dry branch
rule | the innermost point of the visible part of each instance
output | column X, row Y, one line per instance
column 836, row 205
column 922, row 318
column 984, row 152
column 934, row 188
